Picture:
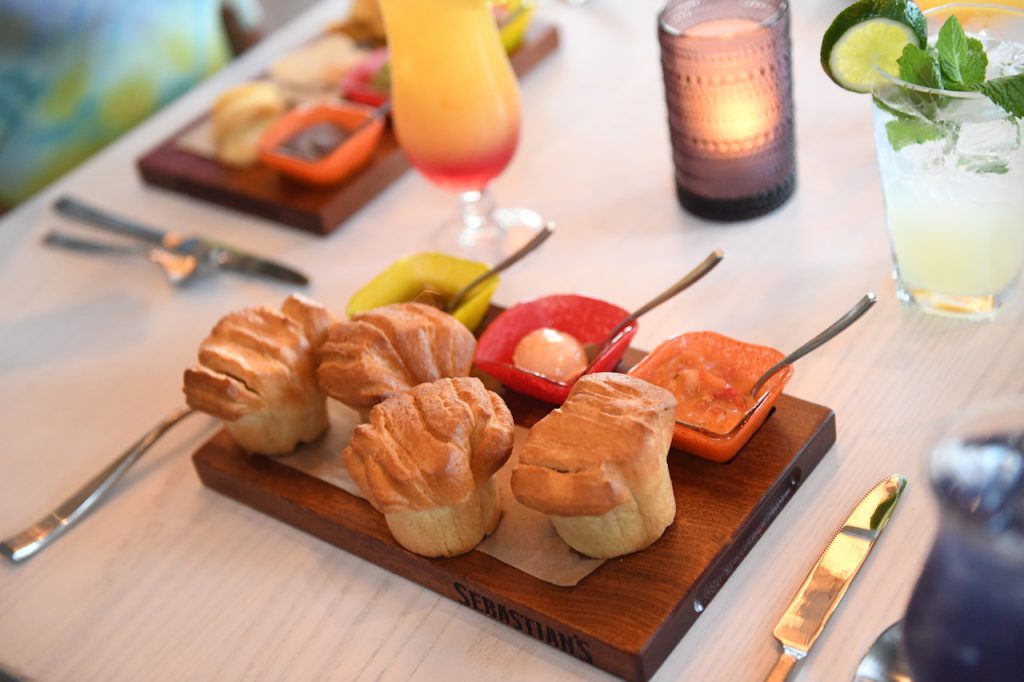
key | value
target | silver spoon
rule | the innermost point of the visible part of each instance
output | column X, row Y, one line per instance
column 437, row 299
column 34, row 538
column 832, row 331
column 886, row 660
column 177, row 267
column 526, row 249
column 595, row 351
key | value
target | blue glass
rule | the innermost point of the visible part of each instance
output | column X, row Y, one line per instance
column 965, row 620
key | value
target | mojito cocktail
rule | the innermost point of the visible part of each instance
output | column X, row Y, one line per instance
column 948, row 92
column 952, row 168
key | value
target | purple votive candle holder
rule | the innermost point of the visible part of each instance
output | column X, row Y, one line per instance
column 726, row 67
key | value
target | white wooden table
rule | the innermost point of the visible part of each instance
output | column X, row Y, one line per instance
column 168, row 580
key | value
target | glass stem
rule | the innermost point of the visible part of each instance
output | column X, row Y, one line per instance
column 475, row 208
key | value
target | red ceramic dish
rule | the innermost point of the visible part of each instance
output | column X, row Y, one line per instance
column 722, row 371
column 363, row 125
column 588, row 319
column 363, row 84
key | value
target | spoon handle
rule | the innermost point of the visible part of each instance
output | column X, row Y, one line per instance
column 706, row 266
column 525, row 250
column 53, row 525
column 851, row 316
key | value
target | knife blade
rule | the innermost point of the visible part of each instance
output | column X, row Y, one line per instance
column 828, row 581
column 211, row 252
column 230, row 259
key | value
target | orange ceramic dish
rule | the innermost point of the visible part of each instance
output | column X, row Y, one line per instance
column 360, row 125
column 711, row 376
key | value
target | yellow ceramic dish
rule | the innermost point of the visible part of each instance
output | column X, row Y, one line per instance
column 404, row 279
column 521, row 12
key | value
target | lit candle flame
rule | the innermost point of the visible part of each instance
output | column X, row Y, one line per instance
column 739, row 115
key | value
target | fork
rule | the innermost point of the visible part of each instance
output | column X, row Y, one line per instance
column 178, row 267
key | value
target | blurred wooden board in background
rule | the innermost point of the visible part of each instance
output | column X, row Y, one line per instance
column 263, row 192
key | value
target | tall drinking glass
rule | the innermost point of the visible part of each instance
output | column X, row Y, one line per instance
column 965, row 620
column 952, row 167
column 456, row 114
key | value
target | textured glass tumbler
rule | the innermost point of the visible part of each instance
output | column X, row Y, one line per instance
column 965, row 620
column 726, row 66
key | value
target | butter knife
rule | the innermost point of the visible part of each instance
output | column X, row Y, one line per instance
column 209, row 253
column 824, row 588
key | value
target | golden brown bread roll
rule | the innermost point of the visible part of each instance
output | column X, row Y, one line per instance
column 311, row 316
column 317, row 67
column 257, row 372
column 382, row 352
column 598, row 465
column 240, row 116
column 427, row 459
column 364, row 24
column 367, row 12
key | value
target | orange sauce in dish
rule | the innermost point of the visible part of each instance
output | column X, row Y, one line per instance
column 711, row 376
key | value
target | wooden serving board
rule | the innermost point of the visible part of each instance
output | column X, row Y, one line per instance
column 263, row 192
column 629, row 614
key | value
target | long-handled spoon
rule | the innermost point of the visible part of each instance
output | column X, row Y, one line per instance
column 527, row 248
column 692, row 277
column 885, row 661
column 832, row 331
column 34, row 538
column 595, row 351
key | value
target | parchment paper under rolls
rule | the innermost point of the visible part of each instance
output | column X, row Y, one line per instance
column 525, row 539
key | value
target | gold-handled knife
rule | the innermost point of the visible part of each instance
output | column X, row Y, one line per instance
column 824, row 588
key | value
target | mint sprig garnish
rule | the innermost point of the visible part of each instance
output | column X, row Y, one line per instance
column 1007, row 92
column 958, row 62
column 963, row 60
column 919, row 67
column 903, row 132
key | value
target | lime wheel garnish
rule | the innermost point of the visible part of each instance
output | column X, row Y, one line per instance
column 870, row 35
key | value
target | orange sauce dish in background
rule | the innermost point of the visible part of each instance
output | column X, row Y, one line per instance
column 357, row 129
column 711, row 376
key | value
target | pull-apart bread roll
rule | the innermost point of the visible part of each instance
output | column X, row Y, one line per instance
column 257, row 372
column 427, row 459
column 382, row 352
column 598, row 465
column 240, row 117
